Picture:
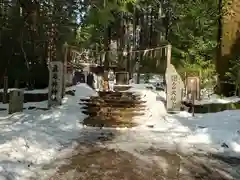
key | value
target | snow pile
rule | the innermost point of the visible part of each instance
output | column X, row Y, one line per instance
column 83, row 91
column 210, row 132
column 155, row 116
column 220, row 130
column 31, row 139
column 156, row 79
column 155, row 110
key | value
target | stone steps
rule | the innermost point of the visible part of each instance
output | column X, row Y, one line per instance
column 112, row 109
column 97, row 108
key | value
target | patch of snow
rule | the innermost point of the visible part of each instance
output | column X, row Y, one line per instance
column 215, row 99
column 122, row 85
column 155, row 109
column 33, row 138
column 42, row 104
column 38, row 91
column 212, row 129
column 204, row 131
column 85, row 92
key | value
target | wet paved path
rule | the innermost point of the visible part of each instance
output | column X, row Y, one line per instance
column 95, row 161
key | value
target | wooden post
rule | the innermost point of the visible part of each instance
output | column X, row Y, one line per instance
column 193, row 92
column 16, row 84
column 65, row 50
column 5, row 90
column 185, row 83
column 193, row 102
column 138, row 72
column 169, row 54
column 238, row 83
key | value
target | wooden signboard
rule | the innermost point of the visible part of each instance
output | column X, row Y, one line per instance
column 193, row 87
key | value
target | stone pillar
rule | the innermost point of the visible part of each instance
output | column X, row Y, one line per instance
column 55, row 86
column 174, row 89
column 16, row 101
column 169, row 54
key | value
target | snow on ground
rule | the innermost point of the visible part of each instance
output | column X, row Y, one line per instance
column 207, row 98
column 31, row 139
column 213, row 132
column 155, row 109
column 215, row 99
column 211, row 98
column 37, row 91
column 213, row 129
column 42, row 104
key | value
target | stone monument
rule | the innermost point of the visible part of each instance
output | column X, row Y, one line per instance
column 16, row 101
column 174, row 89
column 55, row 86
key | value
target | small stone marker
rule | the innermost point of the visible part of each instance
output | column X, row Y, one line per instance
column 16, row 101
column 137, row 67
column 174, row 89
column 135, row 78
column 55, row 86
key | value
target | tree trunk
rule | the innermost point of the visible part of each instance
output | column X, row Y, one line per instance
column 128, row 46
column 107, row 40
column 229, row 41
column 141, row 43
